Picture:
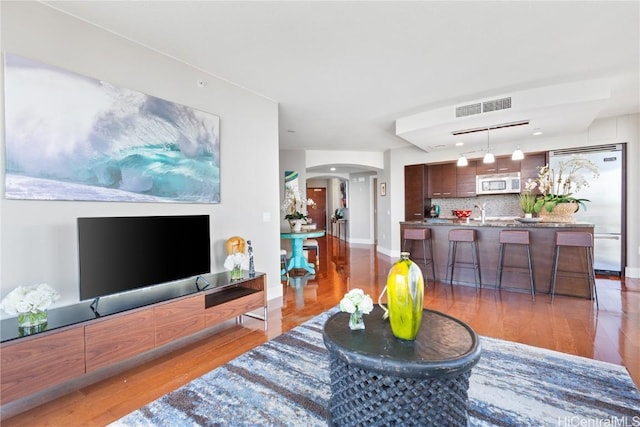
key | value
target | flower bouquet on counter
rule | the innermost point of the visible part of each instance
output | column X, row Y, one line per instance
column 235, row 263
column 557, row 188
column 356, row 303
column 30, row 303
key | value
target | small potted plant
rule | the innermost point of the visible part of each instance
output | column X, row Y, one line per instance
column 527, row 202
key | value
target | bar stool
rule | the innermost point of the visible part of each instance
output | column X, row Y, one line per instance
column 580, row 239
column 464, row 236
column 514, row 237
column 413, row 235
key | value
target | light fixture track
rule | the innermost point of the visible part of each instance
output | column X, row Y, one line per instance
column 487, row 128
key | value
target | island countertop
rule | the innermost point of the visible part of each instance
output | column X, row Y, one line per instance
column 502, row 223
column 571, row 269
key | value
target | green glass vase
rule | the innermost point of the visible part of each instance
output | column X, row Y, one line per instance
column 405, row 296
column 237, row 273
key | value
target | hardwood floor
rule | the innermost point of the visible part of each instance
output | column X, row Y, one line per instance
column 570, row 325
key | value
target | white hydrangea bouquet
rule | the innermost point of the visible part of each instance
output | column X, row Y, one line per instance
column 235, row 262
column 356, row 303
column 30, row 303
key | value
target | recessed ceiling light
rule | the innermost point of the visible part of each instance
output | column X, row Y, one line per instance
column 332, row 169
column 291, row 131
column 459, row 144
column 536, row 132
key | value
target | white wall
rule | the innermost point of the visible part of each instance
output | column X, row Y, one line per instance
column 38, row 238
column 360, row 215
column 622, row 129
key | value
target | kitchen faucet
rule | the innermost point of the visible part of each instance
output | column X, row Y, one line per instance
column 482, row 211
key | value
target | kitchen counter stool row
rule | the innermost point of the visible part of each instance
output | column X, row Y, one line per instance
column 517, row 252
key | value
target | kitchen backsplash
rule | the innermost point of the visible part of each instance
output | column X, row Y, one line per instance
column 496, row 205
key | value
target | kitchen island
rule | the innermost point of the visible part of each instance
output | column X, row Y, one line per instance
column 572, row 268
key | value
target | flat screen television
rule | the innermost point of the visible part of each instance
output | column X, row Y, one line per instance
column 118, row 254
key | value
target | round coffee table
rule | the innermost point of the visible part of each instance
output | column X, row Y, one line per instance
column 378, row 379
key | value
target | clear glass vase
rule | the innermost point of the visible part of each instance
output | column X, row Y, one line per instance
column 32, row 322
column 356, row 321
column 236, row 273
column 31, row 319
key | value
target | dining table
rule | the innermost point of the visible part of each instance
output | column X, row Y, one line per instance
column 298, row 260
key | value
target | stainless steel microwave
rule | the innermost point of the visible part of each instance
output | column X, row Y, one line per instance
column 500, row 183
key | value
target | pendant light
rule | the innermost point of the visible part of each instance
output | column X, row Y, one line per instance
column 462, row 161
column 488, row 158
column 517, row 154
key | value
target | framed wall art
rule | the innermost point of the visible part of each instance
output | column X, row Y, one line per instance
column 71, row 137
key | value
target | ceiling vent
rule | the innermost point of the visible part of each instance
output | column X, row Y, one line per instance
column 496, row 104
column 483, row 107
column 468, row 110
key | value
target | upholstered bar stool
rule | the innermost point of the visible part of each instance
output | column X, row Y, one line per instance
column 579, row 239
column 514, row 237
column 463, row 236
column 413, row 235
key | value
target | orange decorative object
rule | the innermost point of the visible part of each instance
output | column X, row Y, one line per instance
column 235, row 244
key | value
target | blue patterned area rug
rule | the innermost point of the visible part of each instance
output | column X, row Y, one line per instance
column 285, row 382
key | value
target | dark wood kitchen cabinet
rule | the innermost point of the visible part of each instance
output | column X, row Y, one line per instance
column 466, row 180
column 442, row 179
column 415, row 192
column 501, row 165
column 529, row 168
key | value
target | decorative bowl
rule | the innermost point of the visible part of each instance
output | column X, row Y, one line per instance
column 462, row 213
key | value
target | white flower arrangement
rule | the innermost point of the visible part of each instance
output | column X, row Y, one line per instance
column 236, row 259
column 293, row 205
column 559, row 188
column 29, row 299
column 356, row 299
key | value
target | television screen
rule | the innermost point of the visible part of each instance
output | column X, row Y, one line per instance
column 117, row 254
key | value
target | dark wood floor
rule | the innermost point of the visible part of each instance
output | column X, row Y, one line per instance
column 570, row 325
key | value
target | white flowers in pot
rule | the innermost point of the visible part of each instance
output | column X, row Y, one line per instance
column 235, row 263
column 293, row 206
column 356, row 303
column 30, row 303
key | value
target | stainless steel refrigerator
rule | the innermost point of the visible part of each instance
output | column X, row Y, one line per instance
column 606, row 202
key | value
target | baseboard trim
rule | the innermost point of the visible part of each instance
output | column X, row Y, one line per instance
column 632, row 272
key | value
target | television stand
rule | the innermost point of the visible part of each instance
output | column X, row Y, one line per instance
column 79, row 345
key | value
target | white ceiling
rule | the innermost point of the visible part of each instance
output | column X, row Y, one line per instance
column 343, row 73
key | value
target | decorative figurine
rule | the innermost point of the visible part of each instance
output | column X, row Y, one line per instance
column 252, row 269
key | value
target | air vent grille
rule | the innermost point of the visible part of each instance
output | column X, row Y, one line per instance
column 468, row 110
column 496, row 104
column 581, row 150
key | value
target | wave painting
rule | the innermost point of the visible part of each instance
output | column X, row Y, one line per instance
column 70, row 137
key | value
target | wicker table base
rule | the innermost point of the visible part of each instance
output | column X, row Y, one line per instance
column 377, row 379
